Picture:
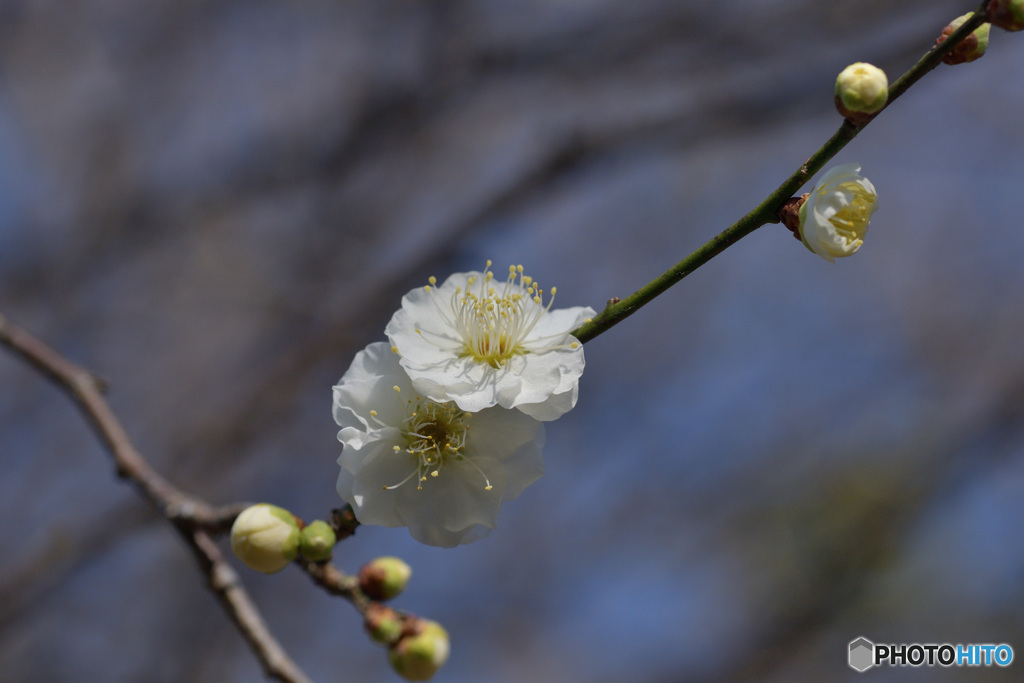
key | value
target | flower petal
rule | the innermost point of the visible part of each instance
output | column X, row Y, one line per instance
column 453, row 345
column 394, row 471
column 837, row 213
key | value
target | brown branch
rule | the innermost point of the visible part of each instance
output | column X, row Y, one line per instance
column 342, row 585
column 85, row 389
column 335, row 582
column 224, row 582
column 343, row 521
column 194, row 518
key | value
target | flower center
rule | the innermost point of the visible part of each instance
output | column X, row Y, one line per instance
column 435, row 435
column 852, row 220
column 433, row 432
column 492, row 322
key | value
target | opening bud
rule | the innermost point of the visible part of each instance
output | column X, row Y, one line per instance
column 970, row 48
column 862, row 90
column 418, row 655
column 265, row 538
column 834, row 218
column 317, row 540
column 384, row 578
column 1006, row 14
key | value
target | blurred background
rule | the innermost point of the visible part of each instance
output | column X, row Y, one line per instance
column 215, row 204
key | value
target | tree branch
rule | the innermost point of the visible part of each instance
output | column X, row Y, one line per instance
column 226, row 585
column 194, row 518
column 332, row 580
column 767, row 211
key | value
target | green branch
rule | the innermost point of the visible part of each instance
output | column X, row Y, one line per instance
column 767, row 211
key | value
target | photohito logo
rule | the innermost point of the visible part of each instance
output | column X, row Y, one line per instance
column 863, row 654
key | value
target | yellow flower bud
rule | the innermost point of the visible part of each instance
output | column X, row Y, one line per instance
column 265, row 538
column 384, row 578
column 861, row 91
column 418, row 656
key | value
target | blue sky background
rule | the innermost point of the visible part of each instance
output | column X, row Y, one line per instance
column 214, row 205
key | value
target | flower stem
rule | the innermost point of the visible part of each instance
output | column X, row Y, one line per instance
column 767, row 211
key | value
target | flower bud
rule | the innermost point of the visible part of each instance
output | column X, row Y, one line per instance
column 861, row 91
column 418, row 656
column 970, row 48
column 265, row 538
column 1006, row 14
column 317, row 541
column 383, row 623
column 384, row 578
column 834, row 219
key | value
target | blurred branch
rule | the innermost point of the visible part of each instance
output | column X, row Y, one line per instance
column 224, row 582
column 85, row 388
column 767, row 211
column 195, row 519
column 332, row 580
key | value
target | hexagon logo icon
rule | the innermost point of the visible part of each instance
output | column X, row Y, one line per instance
column 862, row 654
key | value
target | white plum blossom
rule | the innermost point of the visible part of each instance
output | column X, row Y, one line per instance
column 433, row 467
column 835, row 217
column 480, row 342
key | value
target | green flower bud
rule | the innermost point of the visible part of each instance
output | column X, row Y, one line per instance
column 265, row 537
column 383, row 623
column 861, row 91
column 317, row 541
column 384, row 578
column 970, row 48
column 1006, row 14
column 418, row 656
